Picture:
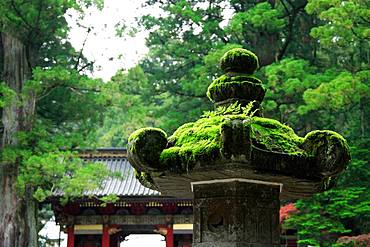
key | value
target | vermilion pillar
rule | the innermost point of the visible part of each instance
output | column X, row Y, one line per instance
column 105, row 236
column 71, row 236
column 169, row 236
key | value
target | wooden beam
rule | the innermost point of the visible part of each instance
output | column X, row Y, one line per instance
column 132, row 219
column 89, row 228
column 183, row 227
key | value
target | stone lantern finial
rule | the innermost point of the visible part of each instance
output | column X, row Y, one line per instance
column 239, row 60
column 238, row 83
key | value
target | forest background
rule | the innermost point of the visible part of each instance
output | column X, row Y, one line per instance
column 314, row 58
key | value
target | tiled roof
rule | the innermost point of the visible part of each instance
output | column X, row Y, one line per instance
column 127, row 186
column 116, row 161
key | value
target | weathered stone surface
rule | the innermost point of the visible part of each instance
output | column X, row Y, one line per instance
column 179, row 185
column 236, row 213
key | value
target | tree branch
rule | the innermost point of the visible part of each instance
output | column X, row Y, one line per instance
column 18, row 12
column 82, row 48
column 85, row 66
column 292, row 18
column 41, row 3
column 72, row 88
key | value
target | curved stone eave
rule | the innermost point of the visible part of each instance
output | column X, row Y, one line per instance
column 290, row 170
column 179, row 185
column 299, row 173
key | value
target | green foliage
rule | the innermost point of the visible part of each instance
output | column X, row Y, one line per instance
column 234, row 108
column 48, row 166
column 286, row 81
column 69, row 104
column 326, row 216
column 263, row 16
column 130, row 95
column 345, row 23
column 111, row 198
column 65, row 96
column 342, row 91
column 7, row 95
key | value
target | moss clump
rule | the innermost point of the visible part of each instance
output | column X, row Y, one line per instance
column 146, row 145
column 323, row 136
column 239, row 60
column 193, row 142
column 201, row 141
column 271, row 135
column 240, row 87
column 330, row 149
column 145, row 179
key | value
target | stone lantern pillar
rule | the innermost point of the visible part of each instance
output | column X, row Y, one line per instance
column 235, row 164
column 236, row 212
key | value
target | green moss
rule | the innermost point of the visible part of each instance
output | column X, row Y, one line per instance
column 143, row 132
column 193, row 142
column 271, row 135
column 147, row 144
column 201, row 140
column 326, row 136
column 236, row 78
column 239, row 60
column 330, row 148
column 145, row 179
column 239, row 87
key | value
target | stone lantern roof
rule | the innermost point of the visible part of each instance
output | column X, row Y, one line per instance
column 234, row 141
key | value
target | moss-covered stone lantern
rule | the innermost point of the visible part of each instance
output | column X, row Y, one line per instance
column 235, row 163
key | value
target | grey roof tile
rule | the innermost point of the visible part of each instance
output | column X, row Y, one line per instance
column 126, row 186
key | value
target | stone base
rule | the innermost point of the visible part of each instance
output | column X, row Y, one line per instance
column 236, row 212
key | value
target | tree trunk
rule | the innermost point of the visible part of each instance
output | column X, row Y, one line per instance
column 17, row 211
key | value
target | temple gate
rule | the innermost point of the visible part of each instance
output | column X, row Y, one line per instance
column 140, row 210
